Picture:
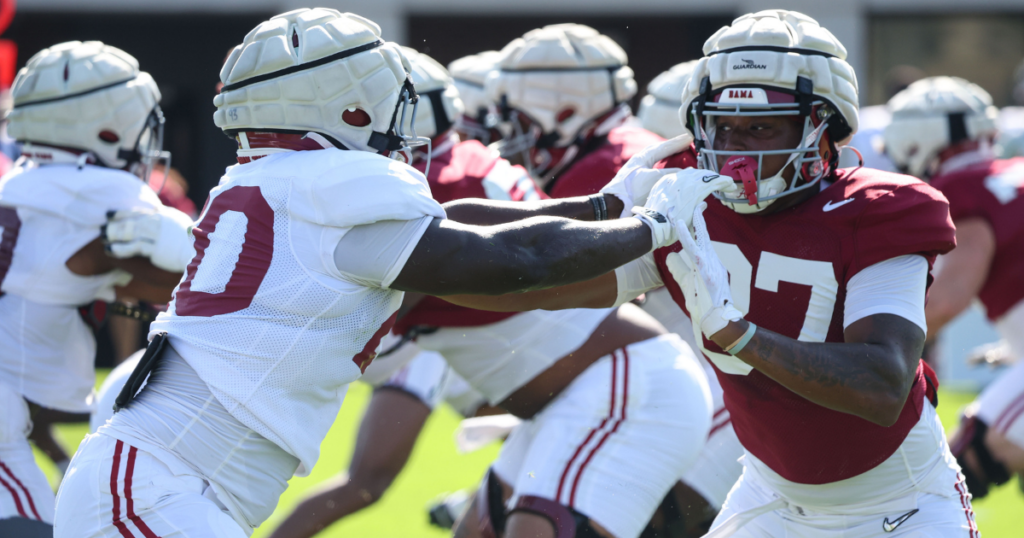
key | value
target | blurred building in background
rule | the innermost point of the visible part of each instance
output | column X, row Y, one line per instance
column 183, row 42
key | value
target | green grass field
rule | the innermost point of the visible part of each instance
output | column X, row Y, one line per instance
column 435, row 467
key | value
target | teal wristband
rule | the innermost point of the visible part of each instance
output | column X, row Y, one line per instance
column 738, row 345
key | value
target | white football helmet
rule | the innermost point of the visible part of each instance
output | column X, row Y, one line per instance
column 563, row 78
column 481, row 116
column 442, row 107
column 90, row 102
column 319, row 71
column 933, row 114
column 659, row 109
column 772, row 63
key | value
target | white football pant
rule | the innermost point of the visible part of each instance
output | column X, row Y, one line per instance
column 24, row 491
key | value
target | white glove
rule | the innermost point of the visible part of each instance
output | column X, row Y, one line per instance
column 635, row 179
column 683, row 191
column 707, row 280
column 164, row 236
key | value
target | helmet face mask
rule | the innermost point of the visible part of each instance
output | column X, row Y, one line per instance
column 149, row 148
column 804, row 164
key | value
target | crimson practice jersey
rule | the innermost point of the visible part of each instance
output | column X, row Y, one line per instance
column 595, row 169
column 468, row 170
column 993, row 191
column 788, row 273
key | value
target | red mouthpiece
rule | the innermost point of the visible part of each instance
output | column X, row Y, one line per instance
column 743, row 168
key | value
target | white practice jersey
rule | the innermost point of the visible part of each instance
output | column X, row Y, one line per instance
column 264, row 315
column 47, row 214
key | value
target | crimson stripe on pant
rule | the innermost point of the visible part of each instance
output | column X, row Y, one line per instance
column 590, row 436
column 1009, row 414
column 129, row 507
column 593, row 431
column 719, row 426
column 965, row 502
column 28, row 496
column 618, row 422
column 14, row 495
column 128, row 473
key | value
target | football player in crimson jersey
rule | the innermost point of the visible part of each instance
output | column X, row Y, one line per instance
column 566, row 374
column 302, row 255
column 566, row 115
column 942, row 131
column 806, row 287
column 75, row 170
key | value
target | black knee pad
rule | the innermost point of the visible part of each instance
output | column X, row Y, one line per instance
column 25, row 528
column 973, row 436
column 568, row 522
column 490, row 507
column 674, row 521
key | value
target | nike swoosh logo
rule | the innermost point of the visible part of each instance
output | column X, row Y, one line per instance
column 889, row 526
column 831, row 205
column 709, row 179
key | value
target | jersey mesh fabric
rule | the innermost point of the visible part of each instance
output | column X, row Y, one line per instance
column 788, row 274
column 993, row 191
column 468, row 170
column 282, row 362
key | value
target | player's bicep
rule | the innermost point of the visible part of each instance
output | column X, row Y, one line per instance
column 599, row 292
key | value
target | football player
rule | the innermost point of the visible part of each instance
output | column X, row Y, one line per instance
column 566, row 113
column 659, row 109
column 302, row 254
column 806, row 287
column 942, row 131
column 91, row 130
column 480, row 119
column 565, row 373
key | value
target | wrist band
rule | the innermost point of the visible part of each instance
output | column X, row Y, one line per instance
column 742, row 341
column 600, row 206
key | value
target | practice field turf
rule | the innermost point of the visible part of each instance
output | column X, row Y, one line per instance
column 435, row 467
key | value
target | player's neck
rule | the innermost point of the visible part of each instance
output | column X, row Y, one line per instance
column 254, row 145
column 46, row 154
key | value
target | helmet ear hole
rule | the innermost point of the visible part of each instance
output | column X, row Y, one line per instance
column 356, row 117
column 564, row 115
column 108, row 136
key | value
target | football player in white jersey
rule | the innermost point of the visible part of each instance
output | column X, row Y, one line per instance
column 557, row 371
column 302, row 254
column 91, row 128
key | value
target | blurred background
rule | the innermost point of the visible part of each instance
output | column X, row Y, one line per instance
column 182, row 43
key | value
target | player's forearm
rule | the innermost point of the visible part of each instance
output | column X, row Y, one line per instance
column 481, row 212
column 560, row 252
column 869, row 380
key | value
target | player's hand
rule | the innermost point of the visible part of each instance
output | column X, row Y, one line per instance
column 995, row 355
column 707, row 282
column 684, row 190
column 164, row 236
column 637, row 177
